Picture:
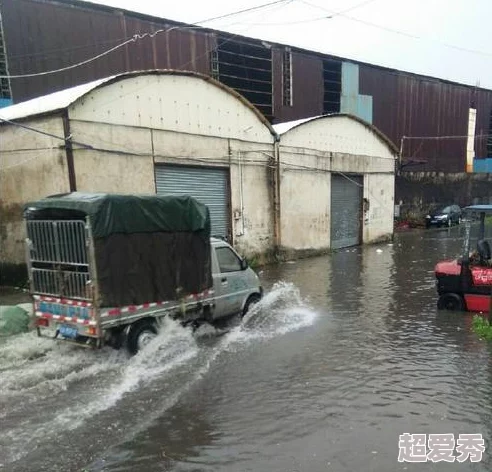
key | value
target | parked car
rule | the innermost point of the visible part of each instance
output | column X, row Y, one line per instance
column 444, row 216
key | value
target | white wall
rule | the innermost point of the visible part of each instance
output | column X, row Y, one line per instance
column 181, row 103
column 121, row 161
column 379, row 189
column 304, row 199
column 338, row 134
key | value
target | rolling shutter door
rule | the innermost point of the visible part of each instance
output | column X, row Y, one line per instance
column 346, row 203
column 207, row 185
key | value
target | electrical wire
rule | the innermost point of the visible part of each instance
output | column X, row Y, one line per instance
column 35, row 130
column 52, row 52
column 311, row 20
column 396, row 31
column 139, row 36
column 227, row 159
column 436, row 138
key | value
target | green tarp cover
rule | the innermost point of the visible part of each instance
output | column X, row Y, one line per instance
column 114, row 213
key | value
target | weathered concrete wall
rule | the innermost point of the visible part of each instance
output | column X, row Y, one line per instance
column 417, row 191
column 378, row 223
column 304, row 199
column 32, row 166
column 252, row 197
column 121, row 161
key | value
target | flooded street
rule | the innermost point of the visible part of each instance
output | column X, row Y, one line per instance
column 345, row 353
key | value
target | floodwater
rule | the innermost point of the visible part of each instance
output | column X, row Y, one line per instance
column 345, row 353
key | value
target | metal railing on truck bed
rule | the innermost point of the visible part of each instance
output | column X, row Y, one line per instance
column 57, row 254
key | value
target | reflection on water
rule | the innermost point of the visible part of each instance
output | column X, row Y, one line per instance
column 338, row 361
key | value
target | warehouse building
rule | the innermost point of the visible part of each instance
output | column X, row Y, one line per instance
column 171, row 132
column 150, row 132
column 285, row 83
column 337, row 182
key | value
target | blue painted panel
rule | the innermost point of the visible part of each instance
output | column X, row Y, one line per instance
column 364, row 107
column 350, row 101
column 5, row 102
column 482, row 165
column 350, row 79
column 348, row 104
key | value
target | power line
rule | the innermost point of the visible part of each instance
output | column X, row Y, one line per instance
column 246, row 10
column 354, row 7
column 51, row 52
column 35, row 130
column 435, row 138
column 128, row 152
column 139, row 36
column 319, row 18
column 395, row 31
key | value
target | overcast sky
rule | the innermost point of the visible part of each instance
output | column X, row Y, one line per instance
column 449, row 39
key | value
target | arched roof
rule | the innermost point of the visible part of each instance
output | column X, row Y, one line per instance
column 282, row 128
column 61, row 100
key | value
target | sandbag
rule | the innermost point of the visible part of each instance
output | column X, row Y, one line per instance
column 13, row 320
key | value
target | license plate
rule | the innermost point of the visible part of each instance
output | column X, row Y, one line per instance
column 68, row 331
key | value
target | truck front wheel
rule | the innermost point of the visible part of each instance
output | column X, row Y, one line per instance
column 139, row 335
column 451, row 302
column 250, row 303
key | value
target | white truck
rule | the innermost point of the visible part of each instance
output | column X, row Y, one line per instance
column 106, row 268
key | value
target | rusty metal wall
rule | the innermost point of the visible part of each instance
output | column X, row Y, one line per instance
column 50, row 34
column 46, row 35
column 307, row 87
column 482, row 99
column 408, row 105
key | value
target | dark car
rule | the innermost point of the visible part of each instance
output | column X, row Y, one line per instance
column 444, row 216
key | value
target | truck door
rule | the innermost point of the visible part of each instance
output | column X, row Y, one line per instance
column 227, row 280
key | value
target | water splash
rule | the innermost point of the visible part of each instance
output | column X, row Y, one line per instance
column 76, row 385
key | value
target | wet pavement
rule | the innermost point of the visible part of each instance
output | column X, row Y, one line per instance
column 345, row 353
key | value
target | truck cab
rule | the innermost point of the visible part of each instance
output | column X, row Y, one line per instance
column 236, row 285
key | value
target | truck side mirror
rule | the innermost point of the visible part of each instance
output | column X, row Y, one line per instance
column 244, row 264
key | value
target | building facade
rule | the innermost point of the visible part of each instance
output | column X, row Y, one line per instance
column 285, row 83
column 337, row 183
column 170, row 132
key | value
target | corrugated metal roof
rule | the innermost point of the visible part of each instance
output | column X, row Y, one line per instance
column 49, row 103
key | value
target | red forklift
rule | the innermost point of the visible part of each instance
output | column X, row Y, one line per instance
column 465, row 284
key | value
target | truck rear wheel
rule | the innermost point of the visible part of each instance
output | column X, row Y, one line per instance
column 139, row 335
column 451, row 302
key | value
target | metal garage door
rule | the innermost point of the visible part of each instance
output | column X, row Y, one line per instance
column 346, row 203
column 206, row 184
